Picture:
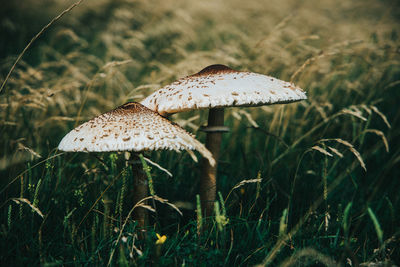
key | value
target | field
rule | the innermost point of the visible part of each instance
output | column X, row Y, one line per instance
column 313, row 183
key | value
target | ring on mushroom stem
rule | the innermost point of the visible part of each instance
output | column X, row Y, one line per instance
column 214, row 129
column 135, row 128
column 217, row 87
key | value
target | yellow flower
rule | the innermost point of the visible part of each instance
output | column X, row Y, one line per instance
column 161, row 239
column 242, row 191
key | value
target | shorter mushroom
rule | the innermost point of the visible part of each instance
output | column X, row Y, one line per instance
column 132, row 127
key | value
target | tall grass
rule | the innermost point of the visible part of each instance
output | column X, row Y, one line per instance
column 314, row 182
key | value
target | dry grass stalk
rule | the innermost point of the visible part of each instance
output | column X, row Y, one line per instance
column 34, row 39
column 322, row 150
column 26, row 201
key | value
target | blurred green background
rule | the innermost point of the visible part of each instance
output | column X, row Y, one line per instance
column 328, row 168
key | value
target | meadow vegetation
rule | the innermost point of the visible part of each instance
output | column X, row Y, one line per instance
column 310, row 183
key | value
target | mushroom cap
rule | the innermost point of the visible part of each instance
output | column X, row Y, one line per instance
column 219, row 86
column 130, row 127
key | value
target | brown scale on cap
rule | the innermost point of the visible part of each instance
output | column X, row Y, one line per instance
column 214, row 69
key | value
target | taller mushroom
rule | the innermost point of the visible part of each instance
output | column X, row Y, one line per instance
column 131, row 127
column 217, row 87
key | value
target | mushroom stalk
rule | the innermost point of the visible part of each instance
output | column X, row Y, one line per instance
column 208, row 185
column 216, row 87
column 140, row 189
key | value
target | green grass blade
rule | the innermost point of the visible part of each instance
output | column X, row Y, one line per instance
column 378, row 229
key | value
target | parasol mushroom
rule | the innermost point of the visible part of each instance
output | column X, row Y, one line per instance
column 217, row 87
column 131, row 127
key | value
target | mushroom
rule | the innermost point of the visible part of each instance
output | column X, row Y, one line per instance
column 217, row 87
column 132, row 127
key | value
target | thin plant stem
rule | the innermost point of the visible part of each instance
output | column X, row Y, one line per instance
column 34, row 39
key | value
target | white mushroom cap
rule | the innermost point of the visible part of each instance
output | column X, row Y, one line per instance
column 219, row 86
column 131, row 127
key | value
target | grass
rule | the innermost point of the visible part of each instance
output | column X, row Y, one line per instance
column 314, row 184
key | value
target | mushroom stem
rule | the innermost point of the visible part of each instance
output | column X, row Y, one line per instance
column 140, row 189
column 209, row 173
